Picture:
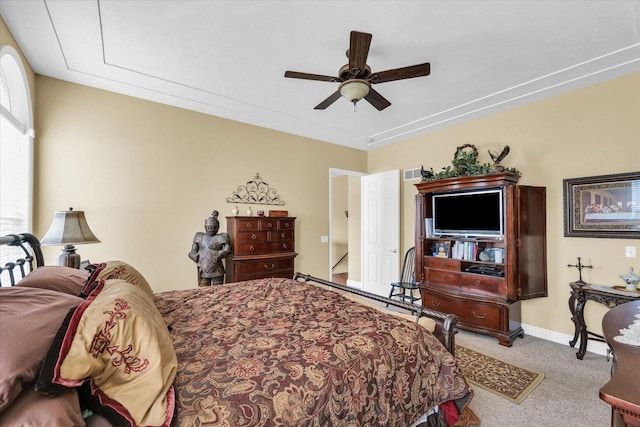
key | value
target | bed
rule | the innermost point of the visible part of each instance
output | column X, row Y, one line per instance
column 104, row 350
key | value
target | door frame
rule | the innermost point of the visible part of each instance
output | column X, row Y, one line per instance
column 333, row 173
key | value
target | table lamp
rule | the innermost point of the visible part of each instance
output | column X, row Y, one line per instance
column 68, row 228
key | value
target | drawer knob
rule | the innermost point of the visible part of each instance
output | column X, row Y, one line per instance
column 284, row 246
column 477, row 283
column 251, row 248
column 249, row 225
column 442, row 277
column 254, row 237
column 270, row 225
column 435, row 304
column 282, row 236
column 287, row 225
column 270, row 268
column 477, row 316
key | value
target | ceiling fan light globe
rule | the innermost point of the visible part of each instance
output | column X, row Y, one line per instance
column 354, row 90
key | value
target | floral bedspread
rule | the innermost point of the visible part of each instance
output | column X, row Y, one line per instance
column 277, row 352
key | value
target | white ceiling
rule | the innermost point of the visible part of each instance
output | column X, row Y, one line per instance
column 228, row 58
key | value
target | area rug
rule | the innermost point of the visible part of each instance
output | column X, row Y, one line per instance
column 505, row 380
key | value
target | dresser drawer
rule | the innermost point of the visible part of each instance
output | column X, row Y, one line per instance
column 253, row 275
column 282, row 246
column 247, row 270
column 281, row 235
column 268, row 224
column 481, row 315
column 252, row 248
column 442, row 277
column 286, row 224
column 252, row 236
column 470, row 313
column 443, row 263
column 478, row 283
column 248, row 224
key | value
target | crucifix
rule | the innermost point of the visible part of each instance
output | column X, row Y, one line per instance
column 580, row 266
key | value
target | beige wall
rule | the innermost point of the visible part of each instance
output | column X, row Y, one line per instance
column 592, row 131
column 147, row 175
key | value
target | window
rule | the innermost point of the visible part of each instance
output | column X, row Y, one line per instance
column 16, row 148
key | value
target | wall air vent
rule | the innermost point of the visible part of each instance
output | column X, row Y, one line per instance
column 411, row 174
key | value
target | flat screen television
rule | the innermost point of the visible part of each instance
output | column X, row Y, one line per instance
column 471, row 214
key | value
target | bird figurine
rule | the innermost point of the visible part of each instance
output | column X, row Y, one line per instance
column 497, row 158
column 426, row 174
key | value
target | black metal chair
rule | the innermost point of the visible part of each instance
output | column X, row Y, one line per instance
column 407, row 287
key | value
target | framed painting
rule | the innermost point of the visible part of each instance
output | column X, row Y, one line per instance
column 602, row 206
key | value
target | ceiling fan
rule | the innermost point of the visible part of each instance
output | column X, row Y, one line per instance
column 356, row 78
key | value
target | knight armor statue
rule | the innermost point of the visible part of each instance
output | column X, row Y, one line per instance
column 208, row 251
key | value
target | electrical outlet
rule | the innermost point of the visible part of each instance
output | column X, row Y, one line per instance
column 630, row 251
column 325, row 239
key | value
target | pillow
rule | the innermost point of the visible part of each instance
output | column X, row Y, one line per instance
column 116, row 270
column 32, row 409
column 56, row 278
column 29, row 318
column 118, row 341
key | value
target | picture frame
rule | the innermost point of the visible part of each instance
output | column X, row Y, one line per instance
column 441, row 249
column 605, row 206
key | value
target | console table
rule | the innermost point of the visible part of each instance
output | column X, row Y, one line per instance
column 581, row 293
column 622, row 392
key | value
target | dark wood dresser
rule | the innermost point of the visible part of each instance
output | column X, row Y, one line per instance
column 623, row 391
column 261, row 247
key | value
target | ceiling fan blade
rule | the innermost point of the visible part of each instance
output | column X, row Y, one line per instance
column 307, row 76
column 358, row 51
column 377, row 100
column 400, row 73
column 330, row 100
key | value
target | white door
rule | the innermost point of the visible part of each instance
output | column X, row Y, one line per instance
column 380, row 231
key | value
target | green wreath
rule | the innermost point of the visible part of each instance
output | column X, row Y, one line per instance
column 465, row 159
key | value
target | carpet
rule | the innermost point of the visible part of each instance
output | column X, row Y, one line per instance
column 505, row 380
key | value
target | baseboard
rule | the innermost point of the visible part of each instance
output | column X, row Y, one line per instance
column 560, row 338
column 355, row 284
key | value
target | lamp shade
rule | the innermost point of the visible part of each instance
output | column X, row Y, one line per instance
column 69, row 227
column 355, row 89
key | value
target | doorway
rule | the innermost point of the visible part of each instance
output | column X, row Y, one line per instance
column 346, row 264
column 344, row 226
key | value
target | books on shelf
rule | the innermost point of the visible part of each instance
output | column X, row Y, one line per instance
column 467, row 251
column 428, row 227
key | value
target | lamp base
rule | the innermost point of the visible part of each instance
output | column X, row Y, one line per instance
column 69, row 257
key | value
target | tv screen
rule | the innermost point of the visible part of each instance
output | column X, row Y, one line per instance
column 470, row 214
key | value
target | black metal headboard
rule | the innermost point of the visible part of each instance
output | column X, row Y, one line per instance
column 28, row 256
